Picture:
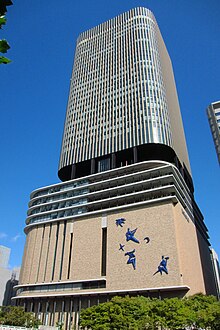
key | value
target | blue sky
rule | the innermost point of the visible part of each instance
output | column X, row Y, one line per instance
column 34, row 91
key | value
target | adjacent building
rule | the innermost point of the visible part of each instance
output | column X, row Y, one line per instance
column 213, row 113
column 216, row 268
column 8, row 278
column 123, row 221
column 4, row 256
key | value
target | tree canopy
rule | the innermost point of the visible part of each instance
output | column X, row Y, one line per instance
column 4, row 46
column 139, row 313
column 16, row 316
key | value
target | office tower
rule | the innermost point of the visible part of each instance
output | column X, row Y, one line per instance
column 123, row 220
column 213, row 113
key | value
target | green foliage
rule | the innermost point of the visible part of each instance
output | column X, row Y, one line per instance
column 16, row 316
column 3, row 6
column 59, row 325
column 4, row 46
column 4, row 60
column 205, row 312
column 2, row 21
column 140, row 313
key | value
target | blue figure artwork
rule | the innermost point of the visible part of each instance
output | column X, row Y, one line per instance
column 162, row 266
column 121, row 247
column 130, row 235
column 147, row 239
column 131, row 258
column 120, row 222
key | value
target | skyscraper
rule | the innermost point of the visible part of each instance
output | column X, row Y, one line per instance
column 124, row 220
column 213, row 113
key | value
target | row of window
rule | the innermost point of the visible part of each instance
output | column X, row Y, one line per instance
column 64, row 286
column 58, row 188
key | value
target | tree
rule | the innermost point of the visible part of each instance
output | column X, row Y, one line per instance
column 140, row 313
column 4, row 46
column 16, row 316
column 170, row 313
column 118, row 314
column 205, row 312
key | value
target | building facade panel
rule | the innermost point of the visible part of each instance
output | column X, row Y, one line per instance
column 208, row 274
column 44, row 252
column 68, row 243
column 191, row 270
column 27, row 262
column 50, row 253
column 58, row 258
column 86, row 258
column 36, row 261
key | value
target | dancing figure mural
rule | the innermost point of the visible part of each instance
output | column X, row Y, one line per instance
column 162, row 266
column 131, row 258
column 120, row 222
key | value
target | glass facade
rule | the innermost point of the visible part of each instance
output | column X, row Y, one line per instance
column 117, row 95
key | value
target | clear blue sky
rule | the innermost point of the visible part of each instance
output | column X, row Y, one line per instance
column 34, row 90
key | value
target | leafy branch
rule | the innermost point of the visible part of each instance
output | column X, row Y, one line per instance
column 4, row 46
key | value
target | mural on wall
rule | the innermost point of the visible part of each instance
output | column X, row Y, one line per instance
column 162, row 266
column 120, row 222
column 131, row 258
column 121, row 247
column 130, row 236
column 147, row 239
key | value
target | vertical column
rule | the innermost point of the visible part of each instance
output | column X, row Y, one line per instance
column 113, row 160
column 92, row 166
column 46, row 313
column 58, row 257
column 29, row 256
column 67, row 250
column 75, row 316
column 53, row 314
column 44, row 254
column 39, row 310
column 104, row 246
column 73, row 171
column 63, row 250
column 135, row 154
column 36, row 260
column 51, row 249
column 70, row 263
column 24, row 260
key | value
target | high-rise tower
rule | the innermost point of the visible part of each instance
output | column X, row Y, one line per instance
column 213, row 113
column 124, row 221
column 122, row 100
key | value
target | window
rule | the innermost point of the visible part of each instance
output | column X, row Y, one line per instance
column 104, row 165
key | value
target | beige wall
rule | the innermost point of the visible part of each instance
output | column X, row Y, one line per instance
column 86, row 258
column 207, row 266
column 156, row 222
column 170, row 233
column 188, row 251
